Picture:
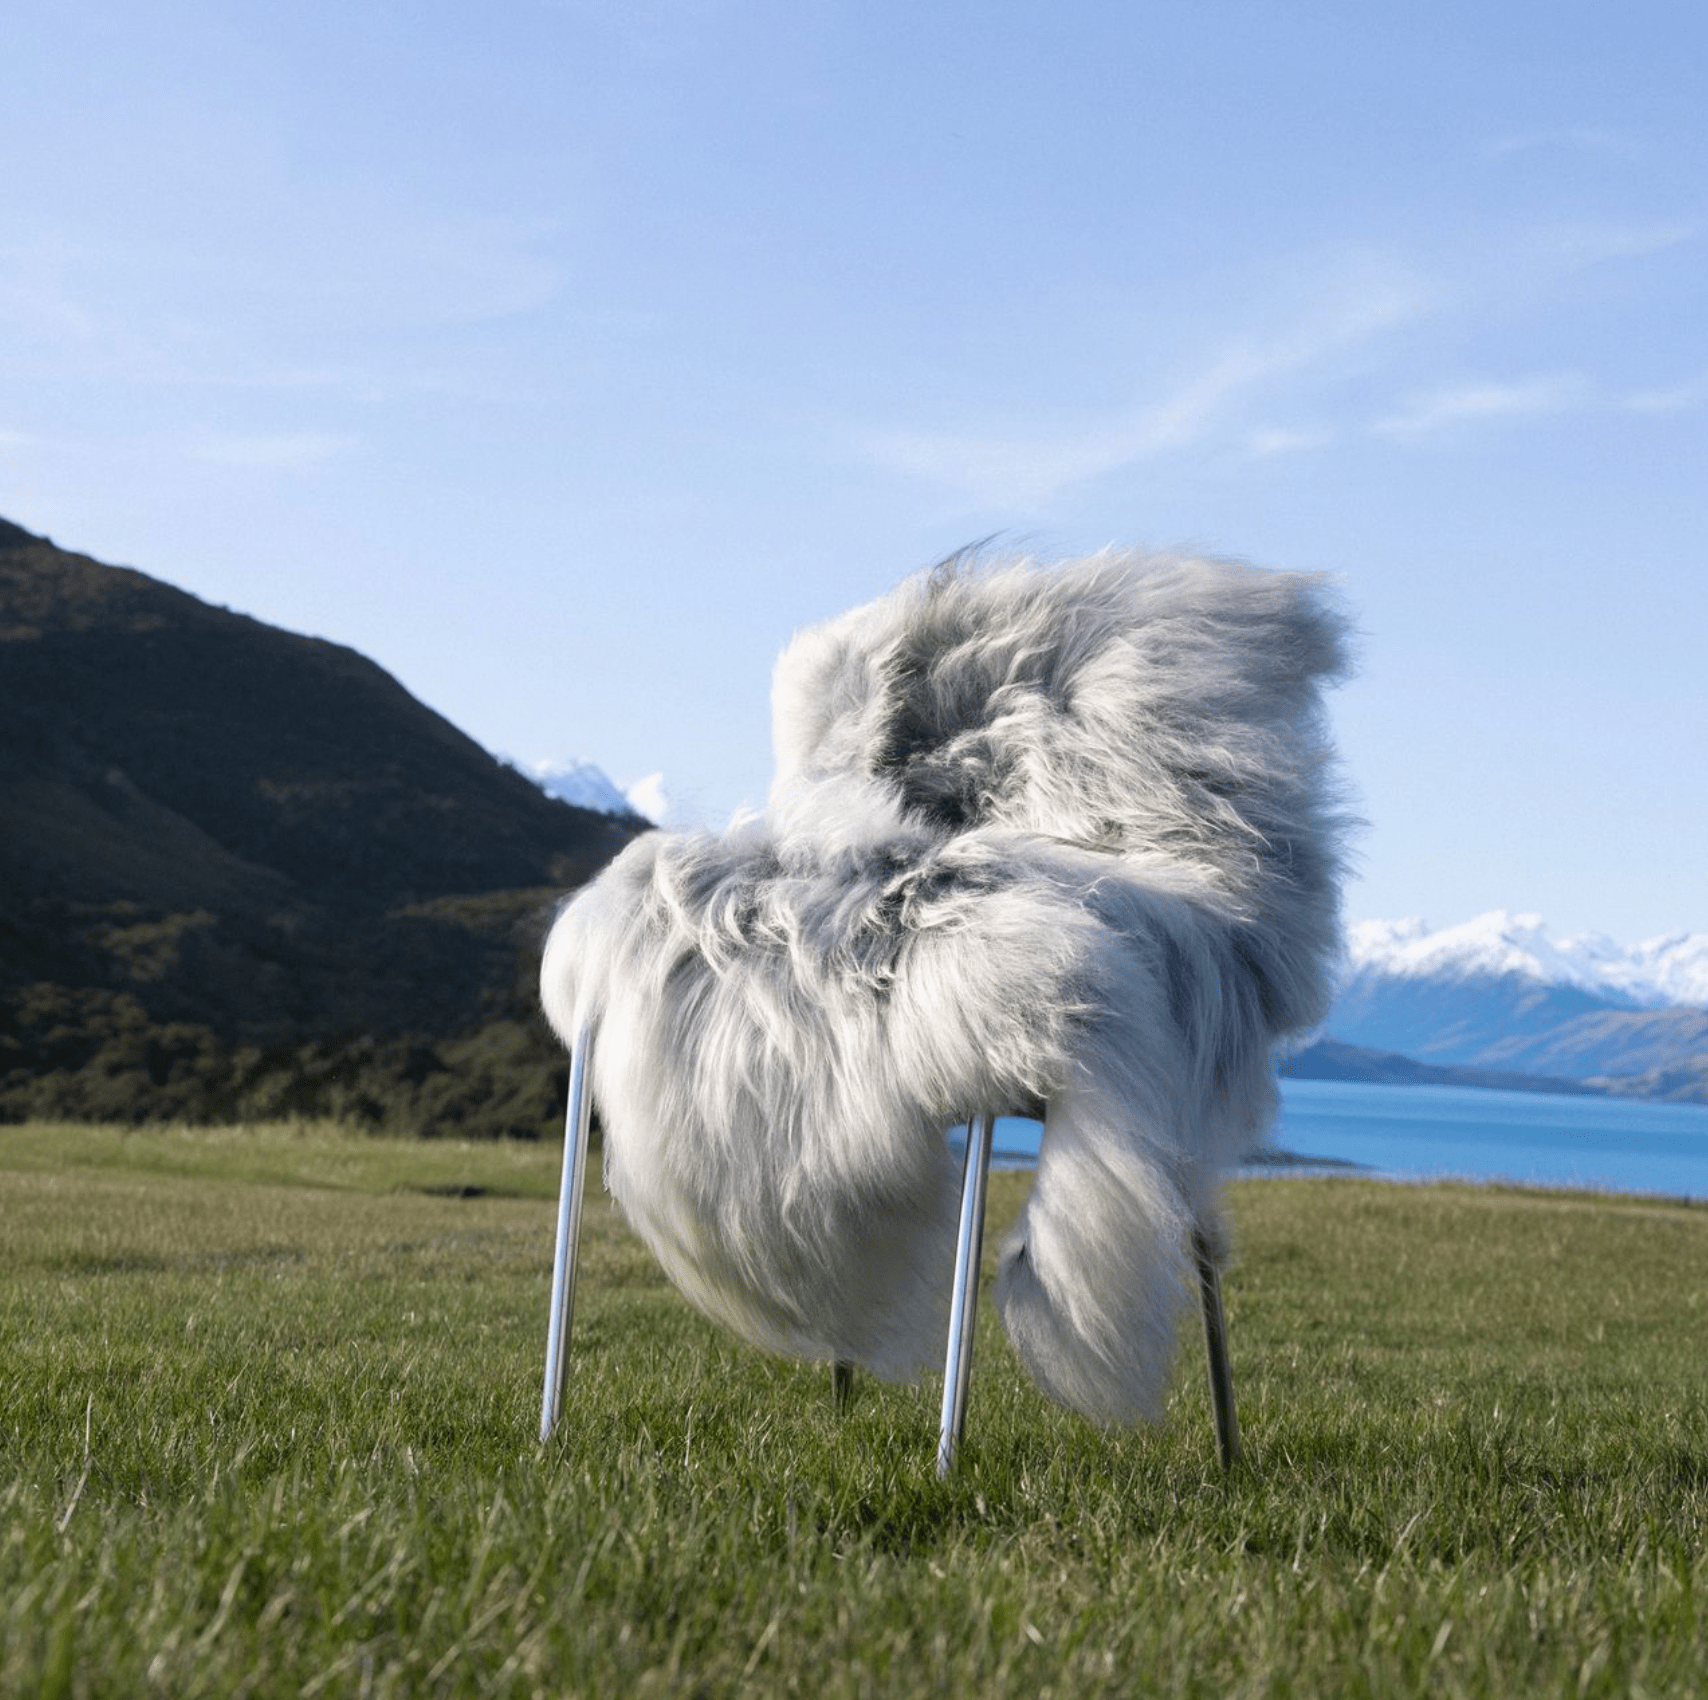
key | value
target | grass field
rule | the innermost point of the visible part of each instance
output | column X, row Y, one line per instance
column 268, row 1403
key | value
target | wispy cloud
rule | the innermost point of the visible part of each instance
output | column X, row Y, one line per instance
column 1579, row 245
column 1343, row 364
column 1028, row 465
column 226, row 313
column 1674, row 398
column 1268, row 440
column 1565, row 138
column 286, row 451
column 1445, row 409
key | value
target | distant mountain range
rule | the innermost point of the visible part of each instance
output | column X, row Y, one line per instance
column 1498, row 945
column 584, row 784
column 244, row 872
column 1500, row 996
column 588, row 786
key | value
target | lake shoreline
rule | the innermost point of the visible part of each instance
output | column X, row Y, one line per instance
column 1476, row 1135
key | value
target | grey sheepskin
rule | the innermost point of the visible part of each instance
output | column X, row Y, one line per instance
column 1058, row 838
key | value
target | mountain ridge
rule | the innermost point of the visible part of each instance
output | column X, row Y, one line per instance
column 244, row 869
column 1668, row 970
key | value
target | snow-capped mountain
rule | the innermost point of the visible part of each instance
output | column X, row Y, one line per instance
column 587, row 786
column 1676, row 966
column 1501, row 992
column 1653, row 975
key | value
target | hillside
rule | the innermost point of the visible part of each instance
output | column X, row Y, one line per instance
column 244, row 871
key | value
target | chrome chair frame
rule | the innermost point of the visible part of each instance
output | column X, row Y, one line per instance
column 963, row 1304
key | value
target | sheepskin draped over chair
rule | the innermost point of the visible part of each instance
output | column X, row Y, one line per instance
column 1054, row 838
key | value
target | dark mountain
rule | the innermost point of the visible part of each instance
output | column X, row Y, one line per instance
column 244, row 872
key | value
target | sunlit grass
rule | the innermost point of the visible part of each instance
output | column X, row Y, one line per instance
column 268, row 1403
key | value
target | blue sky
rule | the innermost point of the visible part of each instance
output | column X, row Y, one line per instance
column 566, row 357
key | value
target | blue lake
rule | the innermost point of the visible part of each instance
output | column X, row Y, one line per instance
column 1426, row 1132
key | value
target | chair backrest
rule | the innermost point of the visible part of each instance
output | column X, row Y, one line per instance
column 1164, row 709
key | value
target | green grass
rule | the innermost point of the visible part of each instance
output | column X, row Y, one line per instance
column 268, row 1402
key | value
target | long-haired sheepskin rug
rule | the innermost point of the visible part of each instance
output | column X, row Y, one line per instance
column 1060, row 838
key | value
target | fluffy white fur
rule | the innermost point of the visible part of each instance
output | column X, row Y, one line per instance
column 1059, row 836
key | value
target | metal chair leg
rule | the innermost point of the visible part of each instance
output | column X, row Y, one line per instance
column 841, row 1384
column 963, row 1308
column 577, row 1123
column 1216, row 1348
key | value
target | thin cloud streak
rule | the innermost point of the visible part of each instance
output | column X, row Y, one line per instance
column 1031, row 469
column 1583, row 138
column 1579, row 246
column 1269, row 440
column 276, row 452
column 1478, row 403
column 1676, row 398
column 1375, row 299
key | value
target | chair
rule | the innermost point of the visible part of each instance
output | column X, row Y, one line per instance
column 1056, row 839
